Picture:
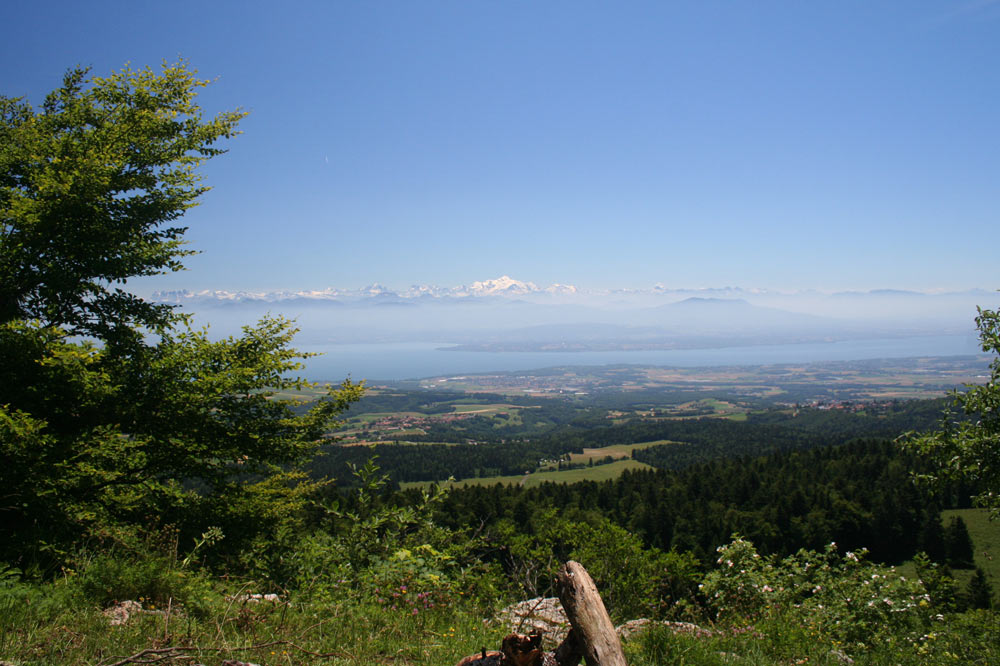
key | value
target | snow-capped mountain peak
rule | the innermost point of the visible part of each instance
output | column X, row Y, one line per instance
column 502, row 286
column 562, row 289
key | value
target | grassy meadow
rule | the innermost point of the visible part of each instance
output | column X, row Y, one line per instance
column 985, row 535
column 595, row 473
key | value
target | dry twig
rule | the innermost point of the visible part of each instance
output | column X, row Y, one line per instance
column 156, row 655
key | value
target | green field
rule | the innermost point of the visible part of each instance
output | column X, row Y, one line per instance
column 986, row 539
column 616, row 451
column 375, row 416
column 307, row 394
column 596, row 473
column 510, row 413
column 479, row 408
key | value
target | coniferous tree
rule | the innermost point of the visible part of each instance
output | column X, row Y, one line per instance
column 958, row 544
column 979, row 593
column 932, row 540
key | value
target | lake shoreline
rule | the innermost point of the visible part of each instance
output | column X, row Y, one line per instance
column 419, row 360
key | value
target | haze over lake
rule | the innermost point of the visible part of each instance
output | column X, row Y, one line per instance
column 506, row 325
column 410, row 360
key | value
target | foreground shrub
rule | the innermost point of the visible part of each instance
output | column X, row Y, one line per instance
column 390, row 555
column 154, row 580
column 839, row 600
column 635, row 581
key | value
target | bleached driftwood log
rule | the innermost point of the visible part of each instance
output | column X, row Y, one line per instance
column 592, row 626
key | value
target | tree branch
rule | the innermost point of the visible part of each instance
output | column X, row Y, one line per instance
column 180, row 652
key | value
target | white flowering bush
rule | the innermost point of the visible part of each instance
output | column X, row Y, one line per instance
column 742, row 584
column 844, row 599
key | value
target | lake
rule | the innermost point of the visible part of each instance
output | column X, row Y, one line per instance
column 395, row 361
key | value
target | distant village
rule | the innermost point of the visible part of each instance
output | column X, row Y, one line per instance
column 528, row 384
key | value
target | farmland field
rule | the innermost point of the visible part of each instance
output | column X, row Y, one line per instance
column 985, row 535
column 595, row 473
column 617, row 451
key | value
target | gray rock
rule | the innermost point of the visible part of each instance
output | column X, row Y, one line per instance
column 841, row 657
column 257, row 598
column 120, row 613
column 546, row 614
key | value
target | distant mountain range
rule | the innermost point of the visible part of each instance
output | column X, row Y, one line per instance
column 508, row 287
column 504, row 287
column 505, row 314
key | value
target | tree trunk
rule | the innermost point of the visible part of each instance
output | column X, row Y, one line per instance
column 586, row 612
column 570, row 651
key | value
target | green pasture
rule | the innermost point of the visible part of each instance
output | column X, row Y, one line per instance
column 615, row 451
column 483, row 409
column 596, row 473
column 306, row 394
column 985, row 535
column 724, row 408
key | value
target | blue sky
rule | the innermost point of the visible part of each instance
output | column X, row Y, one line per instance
column 780, row 145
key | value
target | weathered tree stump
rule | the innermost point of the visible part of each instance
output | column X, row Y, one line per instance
column 569, row 652
column 585, row 609
column 592, row 636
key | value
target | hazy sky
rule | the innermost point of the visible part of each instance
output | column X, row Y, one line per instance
column 783, row 145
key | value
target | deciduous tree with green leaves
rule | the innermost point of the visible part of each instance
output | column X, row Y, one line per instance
column 91, row 186
column 113, row 412
column 968, row 448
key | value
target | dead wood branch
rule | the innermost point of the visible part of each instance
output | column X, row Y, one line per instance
column 585, row 609
column 156, row 655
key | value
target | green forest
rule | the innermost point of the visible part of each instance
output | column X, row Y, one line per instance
column 167, row 497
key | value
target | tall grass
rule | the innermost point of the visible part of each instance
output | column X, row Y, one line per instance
column 56, row 623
